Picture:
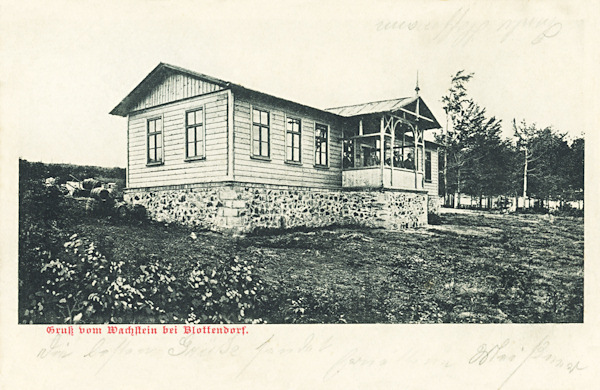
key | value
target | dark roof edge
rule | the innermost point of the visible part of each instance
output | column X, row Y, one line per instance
column 210, row 79
column 239, row 88
column 377, row 101
column 121, row 108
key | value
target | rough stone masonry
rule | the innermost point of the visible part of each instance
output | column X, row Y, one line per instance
column 244, row 208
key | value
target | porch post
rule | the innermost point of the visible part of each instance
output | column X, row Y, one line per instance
column 403, row 142
column 416, row 156
column 354, row 143
column 381, row 147
column 393, row 127
column 422, row 139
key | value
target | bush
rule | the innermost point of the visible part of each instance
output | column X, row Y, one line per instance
column 80, row 284
column 40, row 202
column 568, row 211
column 160, row 289
column 229, row 292
column 38, row 244
column 434, row 219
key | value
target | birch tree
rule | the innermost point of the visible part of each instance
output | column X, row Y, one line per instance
column 525, row 135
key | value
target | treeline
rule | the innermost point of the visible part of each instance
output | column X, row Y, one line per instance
column 65, row 172
column 539, row 163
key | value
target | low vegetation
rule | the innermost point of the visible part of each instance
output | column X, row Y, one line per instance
column 470, row 266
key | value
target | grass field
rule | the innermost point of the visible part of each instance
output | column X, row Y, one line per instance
column 475, row 267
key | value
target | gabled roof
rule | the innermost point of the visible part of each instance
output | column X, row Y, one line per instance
column 154, row 77
column 401, row 105
column 372, row 107
column 127, row 105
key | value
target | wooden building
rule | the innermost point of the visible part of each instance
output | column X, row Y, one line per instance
column 208, row 152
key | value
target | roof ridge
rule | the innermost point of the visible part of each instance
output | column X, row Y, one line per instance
column 194, row 73
column 377, row 101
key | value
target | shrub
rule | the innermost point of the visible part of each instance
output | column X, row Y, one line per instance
column 434, row 219
column 39, row 202
column 568, row 211
column 229, row 292
column 159, row 287
column 81, row 284
column 138, row 212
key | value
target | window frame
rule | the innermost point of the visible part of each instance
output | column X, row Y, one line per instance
column 187, row 126
column 260, row 156
column 159, row 160
column 428, row 153
column 327, row 142
column 293, row 146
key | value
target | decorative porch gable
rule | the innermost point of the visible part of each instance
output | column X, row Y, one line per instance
column 395, row 127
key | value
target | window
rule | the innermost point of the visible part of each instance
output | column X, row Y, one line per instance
column 194, row 134
column 427, row 166
column 260, row 133
column 349, row 154
column 292, row 130
column 321, row 139
column 155, row 149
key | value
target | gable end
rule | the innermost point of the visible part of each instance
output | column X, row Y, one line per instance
column 166, row 84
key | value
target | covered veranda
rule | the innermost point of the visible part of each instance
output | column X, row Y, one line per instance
column 384, row 144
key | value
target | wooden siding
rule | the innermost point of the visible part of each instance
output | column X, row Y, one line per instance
column 175, row 87
column 403, row 178
column 432, row 187
column 367, row 177
column 277, row 170
column 175, row 170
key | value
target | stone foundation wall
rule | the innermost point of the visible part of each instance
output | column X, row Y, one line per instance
column 244, row 208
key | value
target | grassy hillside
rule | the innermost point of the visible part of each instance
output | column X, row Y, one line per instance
column 474, row 267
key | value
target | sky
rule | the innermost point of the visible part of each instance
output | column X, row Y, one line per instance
column 66, row 64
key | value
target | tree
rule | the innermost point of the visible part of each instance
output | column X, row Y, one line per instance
column 576, row 169
column 552, row 169
column 475, row 156
column 454, row 103
column 525, row 135
column 488, row 157
column 550, row 177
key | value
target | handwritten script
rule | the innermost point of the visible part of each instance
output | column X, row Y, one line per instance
column 336, row 358
column 460, row 29
column 508, row 352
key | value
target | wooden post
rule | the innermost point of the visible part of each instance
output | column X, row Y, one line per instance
column 422, row 156
column 403, row 142
column 381, row 148
column 355, row 144
column 393, row 127
column 415, row 139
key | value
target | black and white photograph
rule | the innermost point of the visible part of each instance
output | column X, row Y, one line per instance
column 380, row 194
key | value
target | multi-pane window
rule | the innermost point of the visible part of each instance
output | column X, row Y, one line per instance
column 321, row 139
column 155, row 154
column 194, row 134
column 260, row 133
column 292, row 140
column 427, row 166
